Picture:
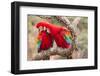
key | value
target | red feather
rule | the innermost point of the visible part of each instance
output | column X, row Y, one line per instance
column 45, row 40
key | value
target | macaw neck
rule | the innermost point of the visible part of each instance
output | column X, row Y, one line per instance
column 54, row 29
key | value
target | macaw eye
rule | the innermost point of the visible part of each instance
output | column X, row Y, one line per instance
column 40, row 28
column 45, row 28
column 48, row 30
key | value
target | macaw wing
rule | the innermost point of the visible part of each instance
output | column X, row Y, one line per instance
column 67, row 36
column 63, row 39
column 44, row 41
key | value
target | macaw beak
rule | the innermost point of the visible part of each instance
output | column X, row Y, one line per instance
column 40, row 29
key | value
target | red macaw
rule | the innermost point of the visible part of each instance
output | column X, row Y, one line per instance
column 44, row 40
column 61, row 35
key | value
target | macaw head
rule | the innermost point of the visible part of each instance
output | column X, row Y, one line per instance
column 52, row 28
column 43, row 26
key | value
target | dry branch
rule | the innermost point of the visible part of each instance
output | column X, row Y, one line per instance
column 45, row 55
